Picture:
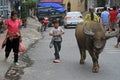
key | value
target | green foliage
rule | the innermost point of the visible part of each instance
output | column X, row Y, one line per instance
column 101, row 3
column 26, row 6
column 31, row 3
column 24, row 11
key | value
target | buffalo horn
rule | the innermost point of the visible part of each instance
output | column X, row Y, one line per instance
column 86, row 31
column 113, row 33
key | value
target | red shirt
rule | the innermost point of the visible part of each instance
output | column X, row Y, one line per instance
column 113, row 16
column 45, row 22
column 13, row 26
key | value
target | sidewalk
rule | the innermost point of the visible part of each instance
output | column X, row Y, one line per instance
column 29, row 36
column 3, row 65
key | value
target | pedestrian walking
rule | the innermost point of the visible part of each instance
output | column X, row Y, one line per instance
column 44, row 24
column 2, row 20
column 56, row 34
column 13, row 36
column 113, row 18
column 91, row 16
column 118, row 37
column 99, row 12
column 105, row 19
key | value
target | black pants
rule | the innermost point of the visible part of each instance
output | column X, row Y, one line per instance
column 12, row 44
column 57, row 46
column 118, row 38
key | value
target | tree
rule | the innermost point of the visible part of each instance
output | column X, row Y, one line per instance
column 28, row 4
column 101, row 3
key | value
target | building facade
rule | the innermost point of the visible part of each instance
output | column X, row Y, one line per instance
column 78, row 5
column 74, row 5
column 5, row 8
column 115, row 3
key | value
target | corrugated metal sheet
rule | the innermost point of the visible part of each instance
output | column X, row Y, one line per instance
column 14, row 0
column 60, row 1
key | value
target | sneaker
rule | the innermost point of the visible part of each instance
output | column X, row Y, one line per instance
column 56, row 61
column 17, row 64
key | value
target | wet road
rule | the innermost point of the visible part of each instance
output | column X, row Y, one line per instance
column 69, row 68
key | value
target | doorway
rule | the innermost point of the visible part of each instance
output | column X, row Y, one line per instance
column 68, row 6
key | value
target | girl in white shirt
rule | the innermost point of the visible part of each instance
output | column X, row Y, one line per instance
column 56, row 33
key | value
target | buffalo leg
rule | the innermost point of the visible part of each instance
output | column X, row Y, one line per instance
column 82, row 53
column 95, row 68
column 97, row 59
column 83, row 56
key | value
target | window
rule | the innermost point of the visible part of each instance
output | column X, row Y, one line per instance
column 6, row 2
column 4, row 8
column 1, row 2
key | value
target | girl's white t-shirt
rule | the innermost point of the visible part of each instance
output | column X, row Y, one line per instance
column 57, row 31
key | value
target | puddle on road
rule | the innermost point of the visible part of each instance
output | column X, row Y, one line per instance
column 25, row 57
column 14, row 72
column 27, row 60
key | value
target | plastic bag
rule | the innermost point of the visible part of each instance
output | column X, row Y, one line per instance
column 22, row 47
column 51, row 43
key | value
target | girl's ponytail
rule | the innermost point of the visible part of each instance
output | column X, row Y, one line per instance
column 92, row 16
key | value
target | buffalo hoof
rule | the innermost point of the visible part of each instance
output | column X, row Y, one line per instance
column 82, row 62
column 95, row 69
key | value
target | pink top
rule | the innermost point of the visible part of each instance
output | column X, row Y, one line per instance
column 13, row 26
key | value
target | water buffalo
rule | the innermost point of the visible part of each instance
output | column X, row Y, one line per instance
column 92, row 37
